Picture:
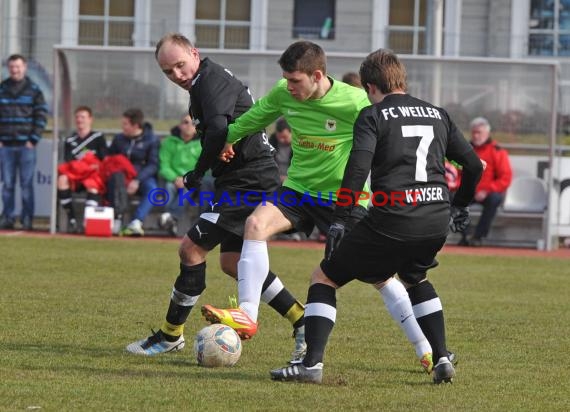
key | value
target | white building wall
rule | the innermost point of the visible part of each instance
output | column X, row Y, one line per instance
column 163, row 18
column 47, row 31
column 486, row 28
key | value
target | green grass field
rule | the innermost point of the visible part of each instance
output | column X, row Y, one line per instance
column 68, row 306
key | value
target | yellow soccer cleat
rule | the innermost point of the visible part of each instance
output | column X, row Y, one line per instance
column 236, row 319
column 427, row 362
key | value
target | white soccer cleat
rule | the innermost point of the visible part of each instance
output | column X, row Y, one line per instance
column 155, row 345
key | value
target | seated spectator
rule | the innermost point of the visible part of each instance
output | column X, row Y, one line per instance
column 140, row 145
column 281, row 141
column 352, row 78
column 178, row 154
column 83, row 151
column 496, row 179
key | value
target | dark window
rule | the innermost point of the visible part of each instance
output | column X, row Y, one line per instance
column 314, row 19
column 549, row 28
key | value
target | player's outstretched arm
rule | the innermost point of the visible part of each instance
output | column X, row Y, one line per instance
column 263, row 112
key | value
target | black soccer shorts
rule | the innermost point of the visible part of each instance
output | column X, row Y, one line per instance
column 208, row 235
column 372, row 257
column 223, row 221
column 305, row 214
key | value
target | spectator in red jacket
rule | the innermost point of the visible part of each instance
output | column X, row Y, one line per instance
column 495, row 181
column 83, row 152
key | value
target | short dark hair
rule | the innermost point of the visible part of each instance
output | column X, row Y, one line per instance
column 303, row 56
column 352, row 78
column 135, row 116
column 84, row 109
column 175, row 38
column 384, row 69
column 15, row 57
column 281, row 124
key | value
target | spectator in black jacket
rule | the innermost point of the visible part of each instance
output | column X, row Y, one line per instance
column 83, row 142
column 140, row 145
column 22, row 121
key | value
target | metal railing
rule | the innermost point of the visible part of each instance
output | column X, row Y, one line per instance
column 523, row 92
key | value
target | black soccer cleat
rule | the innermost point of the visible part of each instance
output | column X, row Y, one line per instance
column 299, row 373
column 443, row 371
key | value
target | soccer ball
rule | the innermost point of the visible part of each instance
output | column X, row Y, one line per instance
column 217, row 345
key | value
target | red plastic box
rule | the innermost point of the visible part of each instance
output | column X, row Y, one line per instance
column 98, row 221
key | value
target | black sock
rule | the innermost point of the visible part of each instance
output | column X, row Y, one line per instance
column 280, row 299
column 319, row 321
column 93, row 199
column 427, row 306
column 66, row 202
column 188, row 286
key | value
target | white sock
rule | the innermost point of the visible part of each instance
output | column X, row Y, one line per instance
column 252, row 271
column 272, row 290
column 398, row 304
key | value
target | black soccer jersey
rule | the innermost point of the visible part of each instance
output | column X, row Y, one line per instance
column 217, row 98
column 403, row 141
column 75, row 146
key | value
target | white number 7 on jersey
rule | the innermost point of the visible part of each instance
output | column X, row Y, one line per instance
column 426, row 136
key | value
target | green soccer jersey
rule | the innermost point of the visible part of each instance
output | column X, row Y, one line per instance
column 322, row 133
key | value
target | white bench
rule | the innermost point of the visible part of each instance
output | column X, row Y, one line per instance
column 519, row 220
